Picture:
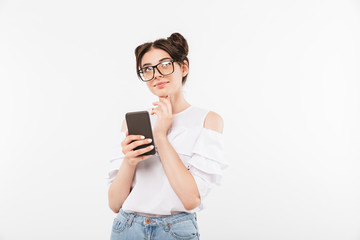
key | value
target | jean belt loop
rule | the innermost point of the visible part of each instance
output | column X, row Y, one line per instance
column 195, row 216
column 167, row 227
column 131, row 219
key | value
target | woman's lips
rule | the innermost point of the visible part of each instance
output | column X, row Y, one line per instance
column 161, row 85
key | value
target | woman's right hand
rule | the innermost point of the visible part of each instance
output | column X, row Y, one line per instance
column 132, row 156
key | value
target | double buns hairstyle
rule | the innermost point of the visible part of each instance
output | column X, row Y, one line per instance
column 175, row 45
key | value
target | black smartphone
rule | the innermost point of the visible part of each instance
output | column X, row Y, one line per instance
column 138, row 123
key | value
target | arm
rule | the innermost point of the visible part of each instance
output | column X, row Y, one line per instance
column 180, row 178
column 120, row 188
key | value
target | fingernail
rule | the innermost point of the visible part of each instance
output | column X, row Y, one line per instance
column 152, row 146
column 149, row 140
column 142, row 137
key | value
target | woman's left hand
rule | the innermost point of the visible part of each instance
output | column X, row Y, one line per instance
column 165, row 117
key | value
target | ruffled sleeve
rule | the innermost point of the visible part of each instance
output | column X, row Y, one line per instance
column 116, row 159
column 208, row 160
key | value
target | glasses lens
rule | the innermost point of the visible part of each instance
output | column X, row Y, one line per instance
column 166, row 67
column 147, row 73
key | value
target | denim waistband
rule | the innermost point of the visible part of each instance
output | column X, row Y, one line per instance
column 156, row 221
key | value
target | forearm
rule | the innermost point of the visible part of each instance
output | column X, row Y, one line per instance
column 180, row 178
column 120, row 188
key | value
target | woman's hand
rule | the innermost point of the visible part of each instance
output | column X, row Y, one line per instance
column 132, row 156
column 165, row 117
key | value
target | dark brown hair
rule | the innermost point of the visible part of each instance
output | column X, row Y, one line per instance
column 175, row 45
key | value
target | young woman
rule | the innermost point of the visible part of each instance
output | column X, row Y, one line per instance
column 157, row 196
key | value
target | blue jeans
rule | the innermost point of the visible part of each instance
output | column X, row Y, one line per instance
column 132, row 226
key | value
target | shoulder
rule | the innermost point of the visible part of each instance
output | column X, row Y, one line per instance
column 214, row 122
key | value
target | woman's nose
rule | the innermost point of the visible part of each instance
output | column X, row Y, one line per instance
column 157, row 74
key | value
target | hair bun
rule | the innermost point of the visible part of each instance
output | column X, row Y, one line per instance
column 178, row 41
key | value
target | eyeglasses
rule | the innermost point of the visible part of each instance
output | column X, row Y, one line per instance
column 164, row 68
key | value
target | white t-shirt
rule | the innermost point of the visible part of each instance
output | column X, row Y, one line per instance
column 200, row 149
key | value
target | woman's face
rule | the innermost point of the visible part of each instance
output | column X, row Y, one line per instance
column 172, row 83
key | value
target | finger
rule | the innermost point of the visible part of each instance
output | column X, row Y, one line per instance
column 162, row 99
column 155, row 111
column 165, row 97
column 127, row 133
column 152, row 113
column 159, row 108
column 166, row 103
column 136, row 154
column 131, row 138
column 158, row 103
column 143, row 150
column 126, row 144
column 137, row 143
column 129, row 151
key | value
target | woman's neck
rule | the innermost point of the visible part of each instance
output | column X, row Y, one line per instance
column 178, row 103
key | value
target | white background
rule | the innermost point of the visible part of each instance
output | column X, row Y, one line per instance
column 284, row 75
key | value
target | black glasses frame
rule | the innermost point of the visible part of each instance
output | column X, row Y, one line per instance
column 156, row 66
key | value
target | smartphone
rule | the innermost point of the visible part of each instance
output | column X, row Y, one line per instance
column 138, row 123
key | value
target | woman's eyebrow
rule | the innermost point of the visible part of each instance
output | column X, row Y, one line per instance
column 164, row 59
column 148, row 64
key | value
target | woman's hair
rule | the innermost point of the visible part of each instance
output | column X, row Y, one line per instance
column 175, row 45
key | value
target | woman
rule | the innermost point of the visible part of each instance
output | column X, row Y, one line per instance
column 157, row 196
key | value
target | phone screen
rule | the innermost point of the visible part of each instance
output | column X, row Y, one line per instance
column 138, row 123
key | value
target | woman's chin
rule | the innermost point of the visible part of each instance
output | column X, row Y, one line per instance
column 161, row 93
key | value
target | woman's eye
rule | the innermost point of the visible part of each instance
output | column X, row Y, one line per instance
column 148, row 69
column 165, row 64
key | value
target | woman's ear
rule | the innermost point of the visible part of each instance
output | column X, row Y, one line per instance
column 185, row 68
